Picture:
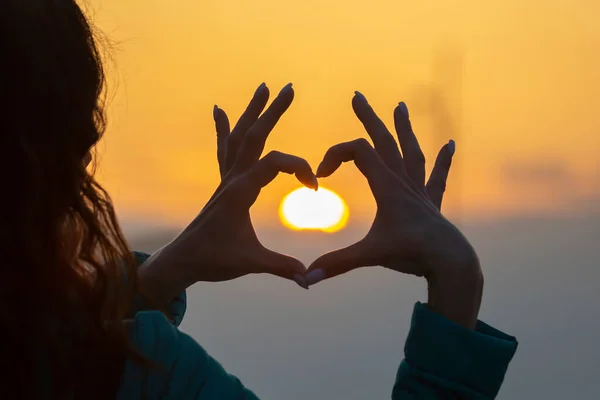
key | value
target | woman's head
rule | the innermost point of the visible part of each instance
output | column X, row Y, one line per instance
column 52, row 83
column 63, row 255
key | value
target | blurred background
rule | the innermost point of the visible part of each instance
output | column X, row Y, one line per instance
column 514, row 83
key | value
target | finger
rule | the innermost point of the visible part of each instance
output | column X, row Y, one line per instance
column 408, row 266
column 339, row 262
column 222, row 127
column 382, row 138
column 414, row 160
column 248, row 118
column 436, row 186
column 365, row 158
column 270, row 262
column 256, row 137
column 263, row 172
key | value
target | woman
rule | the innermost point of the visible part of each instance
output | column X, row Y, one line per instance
column 75, row 301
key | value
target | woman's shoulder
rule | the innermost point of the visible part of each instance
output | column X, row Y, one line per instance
column 174, row 357
column 183, row 369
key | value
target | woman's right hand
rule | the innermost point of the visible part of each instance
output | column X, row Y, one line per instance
column 408, row 234
column 221, row 244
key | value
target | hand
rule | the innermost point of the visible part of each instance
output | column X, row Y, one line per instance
column 221, row 244
column 408, row 234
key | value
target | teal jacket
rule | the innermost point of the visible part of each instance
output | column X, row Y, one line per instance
column 442, row 360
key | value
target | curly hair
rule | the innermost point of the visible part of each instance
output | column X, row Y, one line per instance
column 68, row 277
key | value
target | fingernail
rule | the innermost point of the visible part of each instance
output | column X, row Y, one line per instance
column 215, row 110
column 286, row 88
column 301, row 281
column 315, row 276
column 262, row 87
column 361, row 96
column 403, row 108
column 315, row 183
column 451, row 147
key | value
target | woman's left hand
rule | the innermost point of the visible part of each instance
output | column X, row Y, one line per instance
column 221, row 244
column 408, row 234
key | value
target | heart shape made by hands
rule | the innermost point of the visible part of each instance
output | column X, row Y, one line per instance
column 407, row 226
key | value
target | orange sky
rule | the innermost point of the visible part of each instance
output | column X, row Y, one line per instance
column 515, row 83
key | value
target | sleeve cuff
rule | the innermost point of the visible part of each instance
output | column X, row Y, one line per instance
column 176, row 308
column 475, row 359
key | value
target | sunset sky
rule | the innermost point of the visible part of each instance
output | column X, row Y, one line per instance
column 514, row 83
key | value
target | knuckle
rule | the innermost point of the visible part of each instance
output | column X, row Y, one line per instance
column 274, row 154
column 334, row 151
column 363, row 144
column 271, row 158
column 304, row 164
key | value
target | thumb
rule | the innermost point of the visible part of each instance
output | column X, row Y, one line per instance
column 271, row 262
column 339, row 262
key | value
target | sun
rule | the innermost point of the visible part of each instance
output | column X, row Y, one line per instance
column 306, row 209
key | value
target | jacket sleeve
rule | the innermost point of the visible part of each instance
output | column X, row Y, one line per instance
column 444, row 360
column 176, row 308
column 183, row 369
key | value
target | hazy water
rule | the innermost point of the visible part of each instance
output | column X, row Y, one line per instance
column 343, row 338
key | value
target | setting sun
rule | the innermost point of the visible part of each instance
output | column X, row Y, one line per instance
column 306, row 209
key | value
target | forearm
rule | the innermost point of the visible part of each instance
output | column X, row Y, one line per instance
column 457, row 295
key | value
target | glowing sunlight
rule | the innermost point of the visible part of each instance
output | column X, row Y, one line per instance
column 305, row 209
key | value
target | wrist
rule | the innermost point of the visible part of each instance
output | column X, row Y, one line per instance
column 161, row 279
column 455, row 284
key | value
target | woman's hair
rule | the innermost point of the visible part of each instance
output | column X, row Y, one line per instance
column 67, row 275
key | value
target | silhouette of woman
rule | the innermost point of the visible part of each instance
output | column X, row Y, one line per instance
column 76, row 315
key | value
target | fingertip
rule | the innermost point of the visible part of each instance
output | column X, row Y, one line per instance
column 308, row 180
column 402, row 119
column 281, row 265
column 262, row 88
column 284, row 99
column 322, row 170
column 304, row 173
column 358, row 101
column 215, row 112
column 312, row 182
column 451, row 147
column 403, row 109
column 319, row 173
column 287, row 89
column 301, row 281
column 315, row 276
column 262, row 91
column 359, row 96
